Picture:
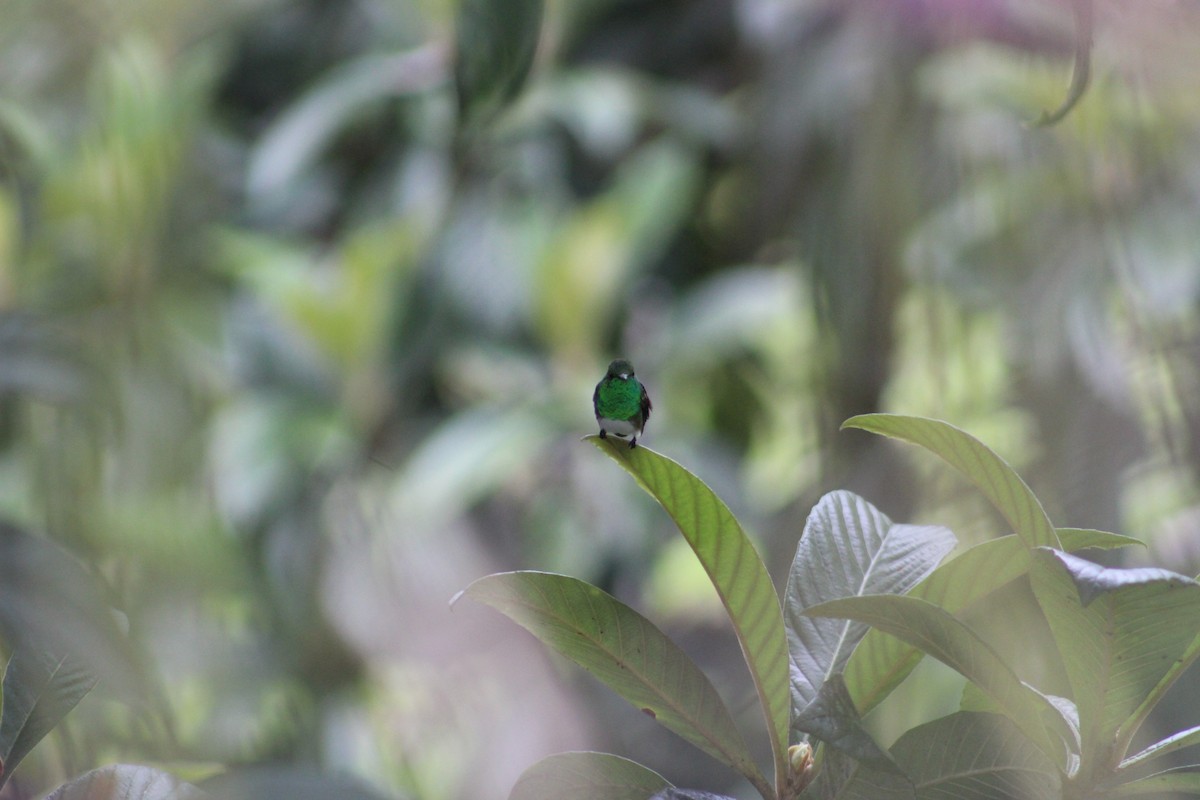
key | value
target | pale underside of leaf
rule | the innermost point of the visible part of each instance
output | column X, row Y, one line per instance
column 975, row 756
column 848, row 548
column 1123, row 634
column 127, row 782
column 842, row 778
column 1177, row 741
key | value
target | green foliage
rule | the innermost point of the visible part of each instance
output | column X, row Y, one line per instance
column 991, row 475
column 39, row 691
column 1123, row 635
column 301, row 303
column 496, row 43
column 64, row 639
column 625, row 651
column 848, row 548
column 987, row 756
column 939, row 634
column 1122, row 632
column 735, row 568
column 587, row 776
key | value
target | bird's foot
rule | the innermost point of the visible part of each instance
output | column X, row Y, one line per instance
column 603, row 433
column 633, row 443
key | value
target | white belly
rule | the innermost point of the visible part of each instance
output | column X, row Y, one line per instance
column 618, row 427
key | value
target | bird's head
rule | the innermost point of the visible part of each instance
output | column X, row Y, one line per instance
column 620, row 369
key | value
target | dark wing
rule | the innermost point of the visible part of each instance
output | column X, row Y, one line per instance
column 646, row 405
column 596, row 400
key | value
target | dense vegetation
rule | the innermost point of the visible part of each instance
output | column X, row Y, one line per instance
column 302, row 304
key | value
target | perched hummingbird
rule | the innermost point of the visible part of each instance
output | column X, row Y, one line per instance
column 621, row 403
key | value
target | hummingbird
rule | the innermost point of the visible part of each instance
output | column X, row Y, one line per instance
column 621, row 403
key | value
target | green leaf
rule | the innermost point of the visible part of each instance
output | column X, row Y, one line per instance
column 1085, row 24
column 842, row 778
column 51, row 604
column 39, row 691
column 625, row 651
column 979, row 463
column 496, row 43
column 848, row 548
column 587, row 776
column 127, row 782
column 974, row 699
column 1124, row 636
column 737, row 572
column 1082, row 538
column 1177, row 741
column 977, row 756
column 1182, row 782
column 937, row 633
column 832, row 718
column 881, row 662
column 295, row 139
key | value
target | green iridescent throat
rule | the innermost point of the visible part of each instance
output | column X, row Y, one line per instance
column 620, row 399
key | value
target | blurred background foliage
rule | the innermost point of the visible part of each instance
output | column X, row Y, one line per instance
column 288, row 356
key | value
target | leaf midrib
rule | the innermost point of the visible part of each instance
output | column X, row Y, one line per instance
column 861, row 585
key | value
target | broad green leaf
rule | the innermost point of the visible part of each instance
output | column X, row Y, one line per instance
column 51, row 604
column 868, row 783
column 127, row 782
column 975, row 700
column 39, row 691
column 848, row 548
column 881, row 662
column 1120, row 633
column 990, row 473
column 496, row 43
column 937, row 633
column 1174, row 742
column 977, row 756
column 293, row 783
column 625, row 651
column 1134, row 721
column 1162, row 784
column 842, row 778
column 587, row 776
column 737, row 572
column 1073, row 539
